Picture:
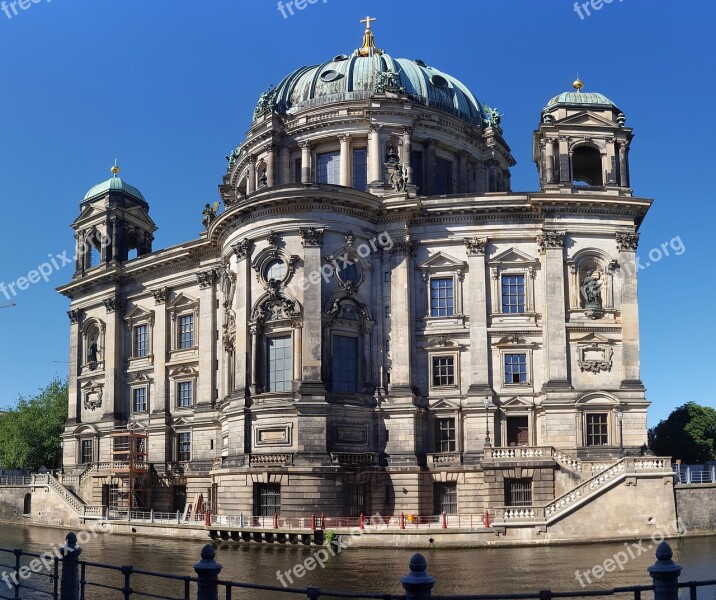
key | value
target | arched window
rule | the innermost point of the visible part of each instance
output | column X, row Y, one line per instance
column 587, row 166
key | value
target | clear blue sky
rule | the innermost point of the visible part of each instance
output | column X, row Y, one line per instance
column 169, row 87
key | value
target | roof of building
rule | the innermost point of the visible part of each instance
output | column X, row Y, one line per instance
column 577, row 97
column 114, row 184
column 366, row 72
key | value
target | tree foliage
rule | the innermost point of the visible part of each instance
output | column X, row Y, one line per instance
column 689, row 433
column 30, row 433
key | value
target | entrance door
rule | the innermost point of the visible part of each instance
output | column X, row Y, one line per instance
column 518, row 431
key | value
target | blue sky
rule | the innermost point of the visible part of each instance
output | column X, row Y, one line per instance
column 169, row 87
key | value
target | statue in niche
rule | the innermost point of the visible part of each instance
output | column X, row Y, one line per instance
column 592, row 292
column 92, row 352
column 397, row 178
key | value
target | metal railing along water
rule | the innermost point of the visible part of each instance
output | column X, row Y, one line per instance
column 66, row 577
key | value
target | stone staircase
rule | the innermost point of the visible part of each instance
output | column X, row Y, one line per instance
column 68, row 496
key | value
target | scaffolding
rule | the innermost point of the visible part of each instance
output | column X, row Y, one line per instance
column 129, row 470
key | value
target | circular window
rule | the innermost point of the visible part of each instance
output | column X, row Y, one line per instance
column 276, row 269
column 340, row 57
column 439, row 81
column 329, row 76
column 420, row 63
column 349, row 272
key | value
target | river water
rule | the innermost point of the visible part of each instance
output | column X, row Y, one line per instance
column 470, row 571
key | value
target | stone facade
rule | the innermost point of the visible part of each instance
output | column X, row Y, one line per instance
column 373, row 312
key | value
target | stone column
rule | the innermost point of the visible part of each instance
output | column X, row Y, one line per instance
column 429, row 172
column 477, row 310
column 623, row 164
column 255, row 330
column 271, row 165
column 565, row 166
column 160, row 402
column 73, row 411
column 407, row 138
column 375, row 154
column 312, row 347
column 480, row 175
column 112, row 358
column 548, row 160
column 462, row 162
column 242, row 310
column 207, row 342
column 401, row 317
column 551, row 245
column 305, row 162
column 627, row 243
column 345, row 140
column 251, row 183
column 284, row 159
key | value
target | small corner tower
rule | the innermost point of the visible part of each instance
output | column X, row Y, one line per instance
column 113, row 226
column 582, row 142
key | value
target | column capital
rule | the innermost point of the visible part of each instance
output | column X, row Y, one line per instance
column 113, row 304
column 160, row 295
column 627, row 241
column 206, row 278
column 311, row 236
column 475, row 246
column 550, row 239
column 305, row 145
column 344, row 137
column 374, row 127
column 404, row 247
column 271, row 148
column 406, row 130
column 241, row 249
column 251, row 159
column 74, row 315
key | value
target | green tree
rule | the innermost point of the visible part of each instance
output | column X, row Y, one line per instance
column 689, row 434
column 30, row 433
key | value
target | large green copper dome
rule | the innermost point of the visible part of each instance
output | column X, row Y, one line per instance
column 359, row 76
column 114, row 183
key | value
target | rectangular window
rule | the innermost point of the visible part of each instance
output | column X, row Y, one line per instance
column 445, row 496
column 297, row 170
column 515, row 368
column 139, row 399
column 416, row 163
column 86, row 450
column 185, row 394
column 140, row 340
column 267, row 499
column 386, row 277
column 442, row 297
column 445, row 435
column 328, row 168
column 597, row 433
column 443, row 176
column 279, row 364
column 513, row 294
column 443, row 370
column 186, row 331
column 345, row 364
column 518, row 492
column 360, row 169
column 184, row 448
column 387, row 312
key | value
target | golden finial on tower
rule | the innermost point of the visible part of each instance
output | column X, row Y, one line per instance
column 577, row 84
column 115, row 169
column 368, row 48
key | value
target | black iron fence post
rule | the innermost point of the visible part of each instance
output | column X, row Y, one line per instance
column 207, row 570
column 418, row 584
column 665, row 573
column 70, row 584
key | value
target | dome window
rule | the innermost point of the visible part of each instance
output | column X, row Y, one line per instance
column 439, row 81
column 340, row 58
column 420, row 63
column 328, row 76
column 276, row 270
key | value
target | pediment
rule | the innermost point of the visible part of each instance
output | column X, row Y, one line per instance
column 517, row 402
column 587, row 118
column 139, row 313
column 594, row 338
column 181, row 422
column 184, row 371
column 513, row 340
column 182, row 300
column 440, row 260
column 443, row 404
column 514, row 257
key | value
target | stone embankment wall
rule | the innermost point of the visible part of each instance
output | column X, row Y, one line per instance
column 45, row 508
column 696, row 507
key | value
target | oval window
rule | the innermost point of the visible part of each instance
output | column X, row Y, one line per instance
column 349, row 272
column 329, row 76
column 276, row 269
column 439, row 81
column 340, row 58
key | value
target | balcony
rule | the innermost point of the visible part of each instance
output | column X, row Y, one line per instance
column 437, row 460
column 354, row 459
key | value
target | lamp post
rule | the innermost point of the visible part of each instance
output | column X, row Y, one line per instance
column 620, row 418
column 486, row 403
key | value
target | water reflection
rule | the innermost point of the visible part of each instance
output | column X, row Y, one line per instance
column 475, row 571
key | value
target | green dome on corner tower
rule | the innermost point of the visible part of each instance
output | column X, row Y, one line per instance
column 366, row 72
column 114, row 184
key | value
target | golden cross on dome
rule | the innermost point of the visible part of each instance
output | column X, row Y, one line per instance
column 368, row 21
